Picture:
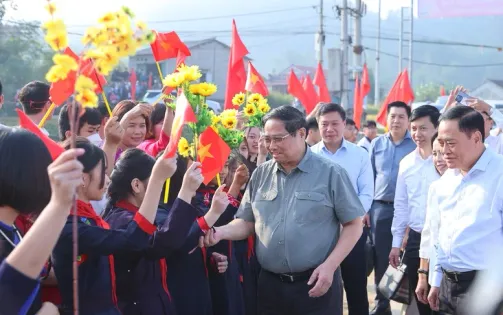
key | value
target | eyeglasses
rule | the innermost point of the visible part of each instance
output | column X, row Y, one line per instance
column 274, row 139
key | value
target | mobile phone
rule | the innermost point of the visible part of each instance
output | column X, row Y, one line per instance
column 462, row 97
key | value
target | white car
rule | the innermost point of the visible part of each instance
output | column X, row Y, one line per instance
column 153, row 96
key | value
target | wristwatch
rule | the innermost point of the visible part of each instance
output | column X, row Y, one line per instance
column 422, row 271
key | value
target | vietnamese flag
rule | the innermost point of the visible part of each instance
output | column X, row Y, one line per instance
column 400, row 91
column 61, row 90
column 149, row 85
column 167, row 46
column 24, row 122
column 321, row 83
column 132, row 80
column 87, row 69
column 296, row 89
column 212, row 153
column 365, row 83
column 311, row 94
column 254, row 82
column 236, row 73
column 358, row 102
column 183, row 114
column 405, row 92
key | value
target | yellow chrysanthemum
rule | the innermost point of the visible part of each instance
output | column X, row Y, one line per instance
column 215, row 119
column 84, row 83
column 229, row 122
column 87, row 98
column 203, row 89
column 174, row 80
column 65, row 61
column 238, row 99
column 263, row 107
column 56, row 73
column 56, row 35
column 183, row 147
column 191, row 73
column 108, row 18
column 51, row 8
column 250, row 110
column 255, row 98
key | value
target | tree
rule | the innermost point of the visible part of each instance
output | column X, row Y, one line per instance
column 276, row 99
column 24, row 57
column 428, row 92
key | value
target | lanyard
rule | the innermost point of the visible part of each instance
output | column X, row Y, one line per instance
column 8, row 239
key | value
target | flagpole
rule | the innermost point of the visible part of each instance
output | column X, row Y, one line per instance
column 160, row 71
column 106, row 103
column 46, row 116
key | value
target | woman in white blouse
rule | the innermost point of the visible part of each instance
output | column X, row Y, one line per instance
column 429, row 234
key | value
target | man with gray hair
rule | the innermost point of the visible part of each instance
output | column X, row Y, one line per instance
column 295, row 204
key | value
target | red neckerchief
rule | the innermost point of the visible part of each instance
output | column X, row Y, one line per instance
column 86, row 210
column 126, row 205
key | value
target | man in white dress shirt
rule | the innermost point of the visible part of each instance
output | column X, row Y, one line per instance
column 470, row 206
column 356, row 161
column 415, row 174
column 36, row 101
column 370, row 133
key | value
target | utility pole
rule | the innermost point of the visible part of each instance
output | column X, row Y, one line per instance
column 357, row 46
column 400, row 42
column 321, row 36
column 377, row 92
column 411, row 45
column 345, row 55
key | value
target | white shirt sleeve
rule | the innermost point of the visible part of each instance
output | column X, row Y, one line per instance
column 427, row 234
column 365, row 183
column 401, row 213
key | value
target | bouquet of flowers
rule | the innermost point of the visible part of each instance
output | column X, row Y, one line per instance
column 255, row 106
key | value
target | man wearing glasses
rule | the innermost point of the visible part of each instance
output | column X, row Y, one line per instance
column 296, row 203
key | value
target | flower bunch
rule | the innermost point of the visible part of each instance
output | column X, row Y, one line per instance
column 112, row 39
column 225, row 125
column 255, row 106
column 185, row 148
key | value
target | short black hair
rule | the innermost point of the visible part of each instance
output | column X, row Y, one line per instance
column 400, row 104
column 92, row 156
column 350, row 122
column 34, row 96
column 370, row 124
column 469, row 120
column 331, row 108
column 292, row 118
column 24, row 181
column 426, row 111
column 312, row 123
column 102, row 108
column 435, row 136
column 90, row 116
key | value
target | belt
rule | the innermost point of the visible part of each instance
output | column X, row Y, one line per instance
column 385, row 202
column 292, row 276
column 460, row 276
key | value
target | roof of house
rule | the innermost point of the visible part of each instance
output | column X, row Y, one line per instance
column 497, row 82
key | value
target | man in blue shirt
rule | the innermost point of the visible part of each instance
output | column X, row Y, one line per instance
column 356, row 161
column 386, row 152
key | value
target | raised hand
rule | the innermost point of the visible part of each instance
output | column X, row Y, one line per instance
column 220, row 201
column 451, row 100
column 241, row 175
column 139, row 110
column 113, row 131
column 65, row 176
column 193, row 177
column 164, row 168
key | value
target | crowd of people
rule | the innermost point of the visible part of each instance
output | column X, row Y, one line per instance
column 285, row 233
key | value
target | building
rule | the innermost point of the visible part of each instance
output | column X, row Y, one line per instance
column 489, row 90
column 211, row 55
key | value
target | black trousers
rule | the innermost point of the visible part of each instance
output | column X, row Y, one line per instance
column 354, row 277
column 412, row 260
column 276, row 297
column 453, row 295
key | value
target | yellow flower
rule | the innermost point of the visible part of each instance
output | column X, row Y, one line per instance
column 215, row 129
column 56, row 35
column 141, row 25
column 229, row 113
column 84, row 83
column 183, row 147
column 191, row 73
column 263, row 107
column 108, row 18
column 94, row 35
column 203, row 89
column 255, row 98
column 173, row 80
column 56, row 25
column 229, row 122
column 56, row 73
column 250, row 110
column 238, row 99
column 87, row 98
column 51, row 8
column 65, row 61
column 215, row 119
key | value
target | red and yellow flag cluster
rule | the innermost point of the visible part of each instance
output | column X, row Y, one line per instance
column 400, row 91
column 305, row 90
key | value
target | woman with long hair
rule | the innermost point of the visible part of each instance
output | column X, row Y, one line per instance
column 96, row 242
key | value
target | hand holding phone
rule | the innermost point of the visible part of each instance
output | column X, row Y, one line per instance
column 462, row 98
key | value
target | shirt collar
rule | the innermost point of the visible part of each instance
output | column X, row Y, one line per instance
column 420, row 158
column 481, row 164
column 407, row 135
column 343, row 145
column 302, row 166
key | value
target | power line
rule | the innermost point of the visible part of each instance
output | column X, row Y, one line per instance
column 438, row 64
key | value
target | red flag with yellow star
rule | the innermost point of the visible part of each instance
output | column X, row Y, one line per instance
column 212, row 153
column 183, row 114
column 167, row 46
column 255, row 83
